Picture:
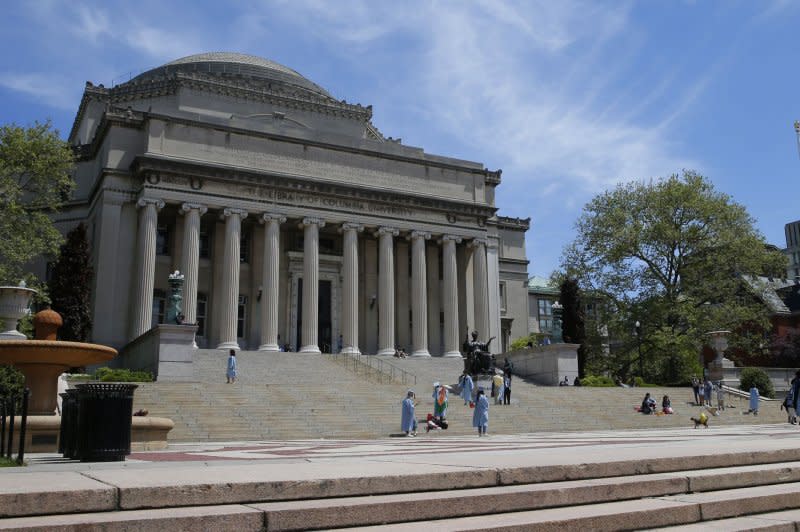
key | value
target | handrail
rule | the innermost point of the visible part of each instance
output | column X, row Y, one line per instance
column 377, row 368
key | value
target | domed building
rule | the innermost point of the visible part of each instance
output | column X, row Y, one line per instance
column 295, row 222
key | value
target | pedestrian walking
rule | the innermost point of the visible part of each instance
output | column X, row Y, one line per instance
column 720, row 397
column 408, row 421
column 232, row 369
column 480, row 417
column 707, row 389
column 754, row 397
column 466, row 388
column 696, row 389
column 507, row 390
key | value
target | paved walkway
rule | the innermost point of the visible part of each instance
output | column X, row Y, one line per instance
column 441, row 449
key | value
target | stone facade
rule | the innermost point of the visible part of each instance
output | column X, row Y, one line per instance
column 250, row 180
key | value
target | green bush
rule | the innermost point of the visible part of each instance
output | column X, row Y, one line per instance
column 122, row 375
column 756, row 377
column 598, row 381
column 12, row 381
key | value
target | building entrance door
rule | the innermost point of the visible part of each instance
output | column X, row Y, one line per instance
column 324, row 316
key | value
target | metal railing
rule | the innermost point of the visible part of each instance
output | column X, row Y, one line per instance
column 8, row 405
column 374, row 368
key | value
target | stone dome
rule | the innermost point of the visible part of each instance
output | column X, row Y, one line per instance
column 234, row 65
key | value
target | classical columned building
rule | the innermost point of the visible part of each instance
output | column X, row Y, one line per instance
column 295, row 222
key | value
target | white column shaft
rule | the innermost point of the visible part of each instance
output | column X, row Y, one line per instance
column 350, row 290
column 230, row 279
column 269, row 283
column 419, row 295
column 146, row 247
column 481, row 289
column 493, row 282
column 309, row 334
column 190, row 258
column 450, row 271
column 386, row 291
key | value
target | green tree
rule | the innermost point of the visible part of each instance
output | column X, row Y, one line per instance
column 35, row 180
column 670, row 253
column 572, row 321
column 70, row 286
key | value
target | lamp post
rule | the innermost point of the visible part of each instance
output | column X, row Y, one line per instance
column 638, row 327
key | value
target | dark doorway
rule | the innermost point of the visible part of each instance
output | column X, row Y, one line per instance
column 324, row 323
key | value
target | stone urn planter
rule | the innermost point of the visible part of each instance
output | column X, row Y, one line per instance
column 14, row 302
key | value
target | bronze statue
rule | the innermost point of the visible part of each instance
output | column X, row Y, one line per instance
column 477, row 359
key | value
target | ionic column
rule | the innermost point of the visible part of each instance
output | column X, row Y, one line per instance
column 450, row 271
column 146, row 249
column 386, row 290
column 419, row 295
column 230, row 278
column 493, row 283
column 190, row 258
column 350, row 288
column 309, row 334
column 481, row 287
column 269, row 282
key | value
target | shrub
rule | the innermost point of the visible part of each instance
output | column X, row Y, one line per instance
column 756, row 377
column 597, row 381
column 12, row 381
column 122, row 375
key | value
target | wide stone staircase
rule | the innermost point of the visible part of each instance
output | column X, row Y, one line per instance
column 281, row 396
column 741, row 490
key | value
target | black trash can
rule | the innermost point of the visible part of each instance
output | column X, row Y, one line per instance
column 68, row 433
column 105, row 410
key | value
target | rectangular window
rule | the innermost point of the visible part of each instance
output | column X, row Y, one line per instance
column 205, row 244
column 545, row 325
column 241, row 316
column 162, row 240
column 244, row 247
column 545, row 307
column 159, row 305
column 202, row 312
column 503, row 296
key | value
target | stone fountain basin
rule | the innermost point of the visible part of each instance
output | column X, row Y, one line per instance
column 42, row 361
column 69, row 354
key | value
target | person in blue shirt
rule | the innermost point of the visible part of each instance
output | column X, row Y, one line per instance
column 480, row 417
column 408, row 421
column 232, row 371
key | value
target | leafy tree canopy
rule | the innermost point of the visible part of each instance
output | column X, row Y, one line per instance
column 670, row 253
column 35, row 180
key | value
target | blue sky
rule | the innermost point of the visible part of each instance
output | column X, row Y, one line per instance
column 568, row 98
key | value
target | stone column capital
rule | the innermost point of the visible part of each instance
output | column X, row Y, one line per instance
column 270, row 217
column 384, row 230
column 476, row 242
column 492, row 245
column 143, row 202
column 227, row 212
column 425, row 235
column 453, row 238
column 309, row 220
column 186, row 207
column 351, row 226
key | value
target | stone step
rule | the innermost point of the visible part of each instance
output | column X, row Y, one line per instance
column 606, row 503
column 773, row 521
column 645, row 513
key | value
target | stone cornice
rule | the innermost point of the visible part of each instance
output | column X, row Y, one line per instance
column 505, row 222
column 149, row 167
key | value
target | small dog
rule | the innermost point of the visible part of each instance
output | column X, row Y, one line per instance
column 701, row 420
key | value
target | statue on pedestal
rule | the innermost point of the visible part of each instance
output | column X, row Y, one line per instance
column 174, row 312
column 477, row 358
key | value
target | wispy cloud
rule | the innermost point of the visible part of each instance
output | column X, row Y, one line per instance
column 41, row 87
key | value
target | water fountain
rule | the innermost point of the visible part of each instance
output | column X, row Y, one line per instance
column 42, row 361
